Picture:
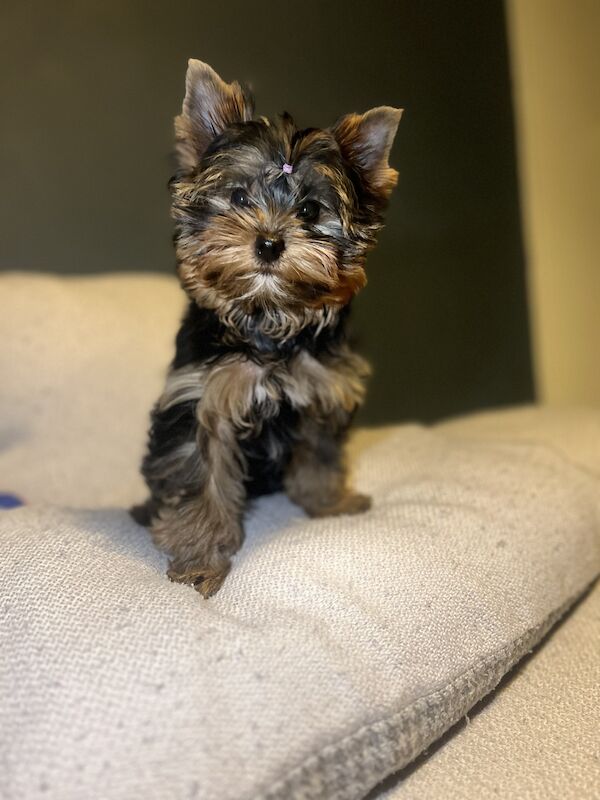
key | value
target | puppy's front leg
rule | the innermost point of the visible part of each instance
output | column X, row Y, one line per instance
column 200, row 487
column 316, row 478
column 203, row 531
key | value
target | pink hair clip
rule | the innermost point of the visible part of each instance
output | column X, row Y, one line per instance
column 288, row 168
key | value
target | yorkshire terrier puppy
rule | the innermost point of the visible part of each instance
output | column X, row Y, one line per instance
column 272, row 226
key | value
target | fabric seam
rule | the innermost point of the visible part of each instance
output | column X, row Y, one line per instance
column 352, row 766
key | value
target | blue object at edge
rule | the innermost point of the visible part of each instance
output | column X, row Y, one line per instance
column 10, row 501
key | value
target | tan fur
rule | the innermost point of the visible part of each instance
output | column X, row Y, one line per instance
column 316, row 478
column 232, row 390
column 308, row 273
column 350, row 132
column 324, row 386
column 209, row 106
column 202, row 531
column 329, row 392
column 182, row 385
column 274, row 319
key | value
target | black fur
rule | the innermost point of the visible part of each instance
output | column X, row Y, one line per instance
column 201, row 340
column 264, row 383
column 268, row 454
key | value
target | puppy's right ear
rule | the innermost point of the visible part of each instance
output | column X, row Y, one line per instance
column 209, row 107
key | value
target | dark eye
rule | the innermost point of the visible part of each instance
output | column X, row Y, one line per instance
column 309, row 211
column 239, row 197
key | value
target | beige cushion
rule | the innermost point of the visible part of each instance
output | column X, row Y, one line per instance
column 83, row 360
column 535, row 737
column 337, row 650
column 537, row 734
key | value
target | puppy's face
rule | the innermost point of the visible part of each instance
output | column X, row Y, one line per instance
column 269, row 216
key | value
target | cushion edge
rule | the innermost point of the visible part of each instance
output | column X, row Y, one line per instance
column 351, row 767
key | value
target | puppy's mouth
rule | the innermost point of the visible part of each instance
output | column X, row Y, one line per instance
column 267, row 269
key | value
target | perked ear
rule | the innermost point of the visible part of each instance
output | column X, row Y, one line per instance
column 209, row 107
column 365, row 141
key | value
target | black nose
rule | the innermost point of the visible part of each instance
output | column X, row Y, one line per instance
column 269, row 249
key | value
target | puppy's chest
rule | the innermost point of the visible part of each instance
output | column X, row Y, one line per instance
column 260, row 408
column 245, row 395
column 249, row 394
column 266, row 405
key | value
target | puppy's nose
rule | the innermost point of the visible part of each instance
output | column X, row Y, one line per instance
column 269, row 249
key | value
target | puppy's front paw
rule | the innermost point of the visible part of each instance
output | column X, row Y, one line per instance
column 351, row 503
column 205, row 580
column 354, row 504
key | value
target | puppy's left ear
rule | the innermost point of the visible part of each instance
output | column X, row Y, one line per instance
column 365, row 141
column 209, row 107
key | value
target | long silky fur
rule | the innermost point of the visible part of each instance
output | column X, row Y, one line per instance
column 263, row 384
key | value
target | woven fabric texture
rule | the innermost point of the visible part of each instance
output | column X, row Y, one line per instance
column 337, row 650
column 535, row 738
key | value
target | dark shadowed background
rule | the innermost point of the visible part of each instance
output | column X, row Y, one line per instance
column 88, row 93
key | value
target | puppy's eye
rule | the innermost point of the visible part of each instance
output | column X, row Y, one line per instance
column 309, row 211
column 239, row 197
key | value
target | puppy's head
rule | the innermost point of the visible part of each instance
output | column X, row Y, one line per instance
column 269, row 217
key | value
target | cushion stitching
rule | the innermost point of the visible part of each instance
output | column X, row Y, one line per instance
column 300, row 781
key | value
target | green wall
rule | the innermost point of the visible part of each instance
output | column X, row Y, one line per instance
column 88, row 92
